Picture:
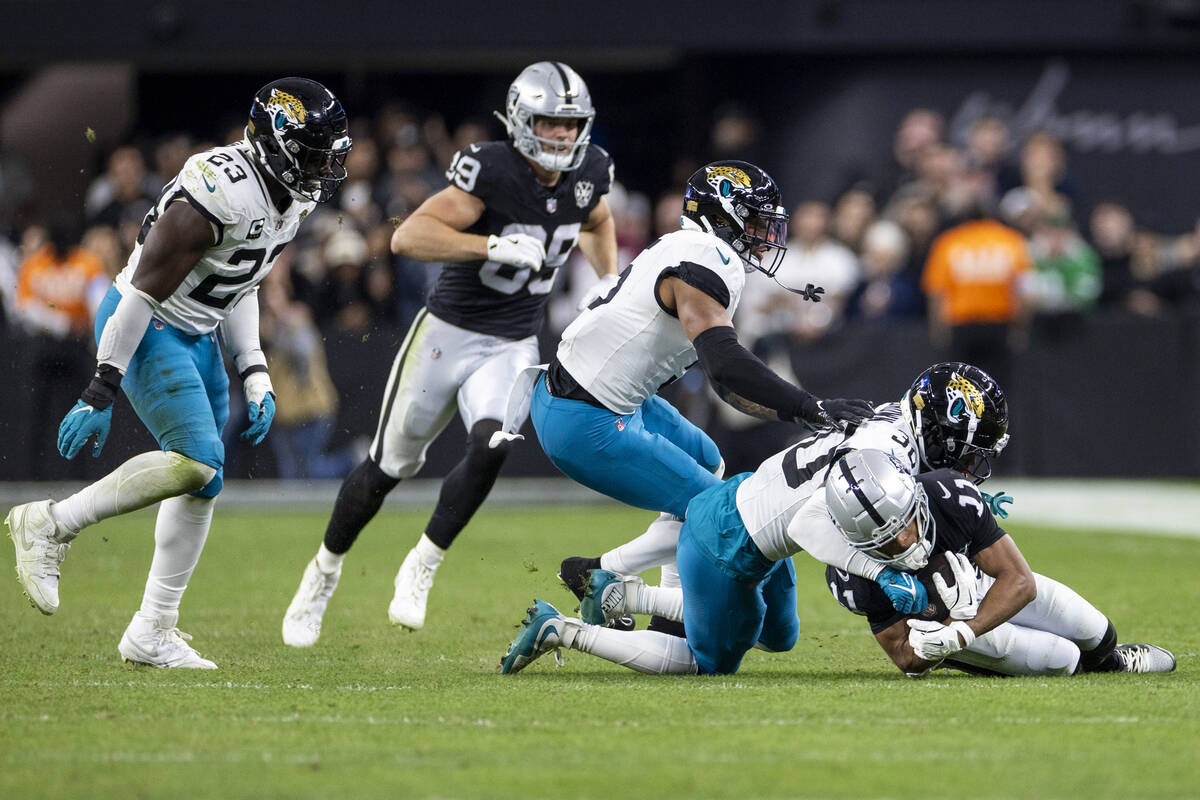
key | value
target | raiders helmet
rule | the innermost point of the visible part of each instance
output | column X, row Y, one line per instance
column 549, row 89
column 959, row 417
column 739, row 203
column 872, row 498
column 299, row 131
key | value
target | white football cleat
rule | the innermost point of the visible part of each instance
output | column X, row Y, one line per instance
column 302, row 622
column 413, row 582
column 158, row 643
column 32, row 530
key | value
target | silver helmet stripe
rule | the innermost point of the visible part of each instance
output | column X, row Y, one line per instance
column 867, row 505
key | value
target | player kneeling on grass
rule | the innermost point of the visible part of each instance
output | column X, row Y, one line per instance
column 990, row 613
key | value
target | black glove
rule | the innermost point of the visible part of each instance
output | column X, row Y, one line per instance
column 834, row 413
column 851, row 411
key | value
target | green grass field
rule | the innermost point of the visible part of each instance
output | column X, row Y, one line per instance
column 372, row 711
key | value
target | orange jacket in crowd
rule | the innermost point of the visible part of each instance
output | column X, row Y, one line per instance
column 52, row 293
column 973, row 271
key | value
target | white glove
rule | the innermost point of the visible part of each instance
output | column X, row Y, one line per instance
column 597, row 290
column 933, row 641
column 256, row 386
column 963, row 597
column 517, row 249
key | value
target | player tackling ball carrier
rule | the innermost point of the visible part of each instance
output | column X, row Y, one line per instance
column 204, row 247
column 738, row 585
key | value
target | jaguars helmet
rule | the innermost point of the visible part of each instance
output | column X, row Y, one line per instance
column 740, row 204
column 959, row 417
column 872, row 498
column 549, row 89
column 299, row 131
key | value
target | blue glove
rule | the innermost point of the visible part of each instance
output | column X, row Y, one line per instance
column 996, row 503
column 907, row 594
column 80, row 424
column 260, row 419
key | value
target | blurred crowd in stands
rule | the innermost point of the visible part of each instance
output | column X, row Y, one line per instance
column 978, row 237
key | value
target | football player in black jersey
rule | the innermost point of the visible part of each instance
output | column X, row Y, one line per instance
column 511, row 215
column 997, row 617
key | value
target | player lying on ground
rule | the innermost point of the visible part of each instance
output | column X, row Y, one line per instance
column 990, row 613
column 204, row 247
column 954, row 415
column 511, row 215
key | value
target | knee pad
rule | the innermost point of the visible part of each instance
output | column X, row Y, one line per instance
column 196, row 476
column 212, row 488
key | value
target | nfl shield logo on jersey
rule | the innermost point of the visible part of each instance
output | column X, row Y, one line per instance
column 583, row 193
column 551, row 205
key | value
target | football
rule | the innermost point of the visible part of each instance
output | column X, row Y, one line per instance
column 938, row 565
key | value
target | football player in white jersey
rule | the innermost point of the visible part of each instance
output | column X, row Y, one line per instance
column 193, row 277
column 734, row 548
column 513, row 211
column 990, row 613
column 596, row 411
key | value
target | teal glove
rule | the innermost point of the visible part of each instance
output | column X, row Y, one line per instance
column 996, row 503
column 80, row 424
column 907, row 594
column 260, row 419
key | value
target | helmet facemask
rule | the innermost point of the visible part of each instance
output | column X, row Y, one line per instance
column 553, row 155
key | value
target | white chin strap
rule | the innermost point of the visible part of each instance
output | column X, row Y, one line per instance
column 915, row 557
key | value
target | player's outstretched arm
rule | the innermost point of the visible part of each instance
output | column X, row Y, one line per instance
column 1014, row 588
column 434, row 232
column 174, row 243
column 731, row 366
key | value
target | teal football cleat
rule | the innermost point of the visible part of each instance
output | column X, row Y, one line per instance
column 604, row 596
column 541, row 632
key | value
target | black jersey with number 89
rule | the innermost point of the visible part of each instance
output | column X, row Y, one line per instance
column 500, row 299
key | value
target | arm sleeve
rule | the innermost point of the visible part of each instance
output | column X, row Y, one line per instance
column 813, row 530
column 124, row 330
column 731, row 365
column 239, row 336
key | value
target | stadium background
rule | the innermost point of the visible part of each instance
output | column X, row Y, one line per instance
column 1101, row 392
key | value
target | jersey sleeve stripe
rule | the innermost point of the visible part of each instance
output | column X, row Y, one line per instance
column 218, row 226
column 697, row 276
